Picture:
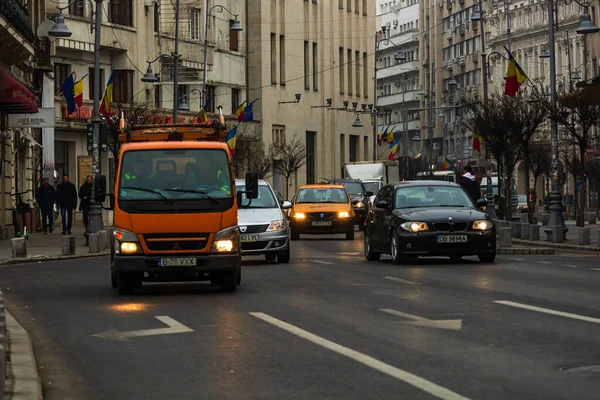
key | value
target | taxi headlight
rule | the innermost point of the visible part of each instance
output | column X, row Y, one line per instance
column 343, row 214
column 414, row 226
column 299, row 215
column 482, row 225
column 276, row 225
column 226, row 241
column 359, row 204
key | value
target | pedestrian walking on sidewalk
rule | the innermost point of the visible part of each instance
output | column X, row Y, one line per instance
column 66, row 198
column 470, row 184
column 46, row 197
column 85, row 193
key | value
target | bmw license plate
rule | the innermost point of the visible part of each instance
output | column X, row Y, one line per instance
column 321, row 223
column 452, row 238
column 249, row 238
column 177, row 262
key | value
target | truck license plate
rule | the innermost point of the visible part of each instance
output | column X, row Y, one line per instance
column 452, row 238
column 249, row 238
column 177, row 262
column 321, row 223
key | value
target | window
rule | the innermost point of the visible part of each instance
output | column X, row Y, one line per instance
column 156, row 19
column 278, row 132
column 356, row 6
column 349, row 5
column 342, row 149
column 121, row 12
column 306, row 81
column 210, row 94
column 236, row 99
column 122, row 86
column 273, row 58
column 365, row 148
column 353, row 148
column 310, row 157
column 76, row 10
column 341, row 4
column 315, row 67
column 91, row 83
column 357, row 67
column 195, row 24
column 341, row 69
column 281, row 59
column 364, row 7
column 182, row 94
column 349, row 64
column 158, row 96
column 61, row 73
column 365, row 75
column 234, row 37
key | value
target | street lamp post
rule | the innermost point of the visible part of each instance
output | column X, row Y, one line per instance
column 60, row 30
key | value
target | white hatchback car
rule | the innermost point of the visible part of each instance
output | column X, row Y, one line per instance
column 263, row 226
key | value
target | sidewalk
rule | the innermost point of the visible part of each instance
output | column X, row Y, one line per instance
column 571, row 243
column 45, row 247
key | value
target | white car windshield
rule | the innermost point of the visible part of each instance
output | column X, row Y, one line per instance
column 431, row 196
column 265, row 198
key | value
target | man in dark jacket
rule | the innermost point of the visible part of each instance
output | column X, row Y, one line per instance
column 46, row 197
column 66, row 197
column 470, row 184
column 85, row 193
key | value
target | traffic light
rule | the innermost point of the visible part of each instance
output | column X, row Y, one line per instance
column 90, row 138
column 100, row 188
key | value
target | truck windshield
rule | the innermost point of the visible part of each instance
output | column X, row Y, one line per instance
column 175, row 174
column 371, row 186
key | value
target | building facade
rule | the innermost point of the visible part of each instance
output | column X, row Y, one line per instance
column 322, row 53
column 398, row 82
column 134, row 33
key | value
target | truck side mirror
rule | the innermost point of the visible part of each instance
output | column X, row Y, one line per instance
column 111, row 202
column 251, row 185
column 100, row 188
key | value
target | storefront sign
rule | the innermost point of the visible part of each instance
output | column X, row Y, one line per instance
column 82, row 114
column 42, row 119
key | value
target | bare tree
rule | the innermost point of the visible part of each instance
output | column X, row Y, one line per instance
column 577, row 113
column 293, row 156
column 259, row 158
column 540, row 160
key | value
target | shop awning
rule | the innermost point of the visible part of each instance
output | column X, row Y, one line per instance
column 15, row 98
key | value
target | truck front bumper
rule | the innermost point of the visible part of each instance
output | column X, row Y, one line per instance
column 204, row 263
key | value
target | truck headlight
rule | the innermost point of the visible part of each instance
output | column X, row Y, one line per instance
column 276, row 225
column 415, row 226
column 226, row 241
column 343, row 214
column 129, row 247
column 126, row 242
column 482, row 225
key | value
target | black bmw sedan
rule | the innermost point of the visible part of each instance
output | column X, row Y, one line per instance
column 428, row 218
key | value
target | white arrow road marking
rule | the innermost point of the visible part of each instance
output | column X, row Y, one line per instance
column 174, row 327
column 392, row 278
column 452, row 324
column 414, row 380
column 571, row 266
column 322, row 262
column 549, row 311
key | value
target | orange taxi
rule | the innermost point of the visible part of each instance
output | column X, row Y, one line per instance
column 322, row 209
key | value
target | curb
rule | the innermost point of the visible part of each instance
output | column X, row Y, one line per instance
column 28, row 260
column 526, row 250
column 557, row 245
column 26, row 381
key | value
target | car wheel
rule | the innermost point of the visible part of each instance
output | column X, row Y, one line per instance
column 370, row 254
column 361, row 226
column 295, row 236
column 271, row 256
column 238, row 277
column 487, row 257
column 125, row 283
column 114, row 278
column 395, row 248
column 284, row 256
column 350, row 235
column 229, row 281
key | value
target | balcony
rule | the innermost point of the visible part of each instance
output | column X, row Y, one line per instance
column 16, row 36
column 462, row 61
column 397, row 69
column 475, row 56
column 397, row 98
column 449, row 35
column 461, row 30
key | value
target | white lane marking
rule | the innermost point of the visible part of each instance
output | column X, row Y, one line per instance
column 543, row 262
column 595, row 269
column 452, row 324
column 414, row 380
column 322, row 262
column 174, row 327
column 571, row 266
column 518, row 259
column 549, row 311
column 392, row 278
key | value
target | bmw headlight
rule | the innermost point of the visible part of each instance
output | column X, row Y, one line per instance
column 359, row 204
column 276, row 225
column 482, row 225
column 415, row 226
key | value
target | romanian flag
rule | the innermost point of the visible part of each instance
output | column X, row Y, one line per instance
column 417, row 157
column 78, row 91
column 515, row 76
column 232, row 139
column 107, row 98
column 393, row 148
column 68, row 91
column 446, row 164
column 383, row 135
column 240, row 112
column 202, row 115
column 477, row 139
column 390, row 136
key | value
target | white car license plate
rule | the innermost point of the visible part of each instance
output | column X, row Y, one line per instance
column 177, row 262
column 321, row 223
column 249, row 238
column 452, row 238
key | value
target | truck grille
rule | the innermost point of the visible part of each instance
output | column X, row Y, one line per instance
column 176, row 241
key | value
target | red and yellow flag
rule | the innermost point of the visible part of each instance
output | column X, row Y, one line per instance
column 477, row 139
column 105, row 106
column 78, row 91
column 515, row 76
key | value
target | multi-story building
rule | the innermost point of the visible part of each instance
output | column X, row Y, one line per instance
column 132, row 34
column 18, row 88
column 451, row 48
column 398, row 81
column 321, row 54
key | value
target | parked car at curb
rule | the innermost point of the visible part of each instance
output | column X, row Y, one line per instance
column 428, row 218
column 264, row 229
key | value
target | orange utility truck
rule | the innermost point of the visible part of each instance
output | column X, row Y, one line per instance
column 176, row 207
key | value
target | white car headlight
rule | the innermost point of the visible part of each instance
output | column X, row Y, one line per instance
column 415, row 226
column 276, row 225
column 482, row 225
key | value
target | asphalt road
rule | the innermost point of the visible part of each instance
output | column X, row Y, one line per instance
column 328, row 325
